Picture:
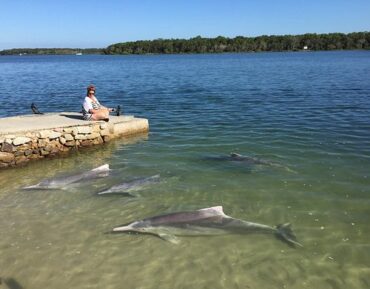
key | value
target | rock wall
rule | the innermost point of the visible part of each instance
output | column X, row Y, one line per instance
column 20, row 148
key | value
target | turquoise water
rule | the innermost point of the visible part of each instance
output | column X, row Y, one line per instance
column 307, row 112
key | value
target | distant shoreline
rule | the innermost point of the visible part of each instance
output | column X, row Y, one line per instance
column 188, row 53
column 220, row 44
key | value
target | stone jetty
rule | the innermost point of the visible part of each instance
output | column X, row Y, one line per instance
column 32, row 137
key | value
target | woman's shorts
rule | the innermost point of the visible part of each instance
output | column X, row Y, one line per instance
column 87, row 116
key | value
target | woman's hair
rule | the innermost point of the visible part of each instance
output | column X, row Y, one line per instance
column 90, row 87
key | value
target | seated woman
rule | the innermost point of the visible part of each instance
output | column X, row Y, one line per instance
column 92, row 109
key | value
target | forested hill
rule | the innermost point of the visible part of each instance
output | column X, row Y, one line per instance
column 332, row 41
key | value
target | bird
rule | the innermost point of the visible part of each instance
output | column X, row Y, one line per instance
column 118, row 110
column 35, row 109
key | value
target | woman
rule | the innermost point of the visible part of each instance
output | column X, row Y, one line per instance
column 92, row 109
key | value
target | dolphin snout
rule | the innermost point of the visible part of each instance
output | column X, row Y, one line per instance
column 122, row 229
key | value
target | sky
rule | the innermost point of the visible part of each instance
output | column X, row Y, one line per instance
column 99, row 23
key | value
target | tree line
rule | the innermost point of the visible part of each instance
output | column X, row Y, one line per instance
column 310, row 41
column 332, row 41
column 50, row 51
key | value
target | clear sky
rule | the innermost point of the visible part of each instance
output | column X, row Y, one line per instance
column 99, row 23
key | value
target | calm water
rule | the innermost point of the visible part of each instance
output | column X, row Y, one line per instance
column 308, row 112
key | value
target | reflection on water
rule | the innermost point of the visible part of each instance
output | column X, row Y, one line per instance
column 300, row 111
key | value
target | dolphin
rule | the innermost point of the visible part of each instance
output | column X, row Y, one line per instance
column 127, row 187
column 207, row 221
column 61, row 182
column 10, row 283
column 249, row 161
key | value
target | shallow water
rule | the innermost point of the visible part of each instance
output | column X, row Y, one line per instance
column 307, row 112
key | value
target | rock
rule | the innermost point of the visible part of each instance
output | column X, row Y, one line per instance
column 106, row 138
column 48, row 148
column 104, row 132
column 54, row 135
column 96, row 128
column 44, row 152
column 62, row 140
column 71, row 143
column 68, row 129
column 34, row 156
column 30, row 135
column 18, row 153
column 6, row 157
column 74, row 131
column 43, row 143
column 86, row 143
column 2, row 139
column 93, row 135
column 44, row 133
column 9, row 136
column 7, row 147
column 21, row 140
column 3, row 165
column 54, row 151
column 24, row 147
column 28, row 152
column 103, row 126
column 68, row 137
column 98, row 140
column 84, row 129
column 21, row 159
column 80, row 136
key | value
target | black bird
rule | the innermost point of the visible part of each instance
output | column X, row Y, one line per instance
column 35, row 109
column 118, row 110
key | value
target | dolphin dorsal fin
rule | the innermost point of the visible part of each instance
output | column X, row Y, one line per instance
column 218, row 210
column 101, row 168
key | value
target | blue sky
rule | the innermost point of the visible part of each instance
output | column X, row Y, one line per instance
column 98, row 23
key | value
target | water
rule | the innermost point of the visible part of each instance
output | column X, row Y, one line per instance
column 308, row 112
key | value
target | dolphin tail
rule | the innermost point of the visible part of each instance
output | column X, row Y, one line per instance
column 285, row 233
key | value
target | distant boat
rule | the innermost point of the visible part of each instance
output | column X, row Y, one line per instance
column 79, row 53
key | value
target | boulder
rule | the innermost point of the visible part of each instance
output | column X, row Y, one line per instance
column 21, row 140
column 80, row 136
column 84, row 129
column 6, row 157
column 54, row 135
column 7, row 147
column 44, row 133
column 68, row 137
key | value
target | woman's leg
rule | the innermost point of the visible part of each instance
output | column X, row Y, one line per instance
column 101, row 114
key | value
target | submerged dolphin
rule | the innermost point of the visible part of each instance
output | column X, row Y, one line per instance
column 249, row 161
column 127, row 187
column 61, row 182
column 10, row 283
column 208, row 221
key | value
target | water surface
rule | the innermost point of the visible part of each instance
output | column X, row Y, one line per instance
column 308, row 112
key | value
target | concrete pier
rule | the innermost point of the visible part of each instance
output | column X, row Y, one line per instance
column 32, row 137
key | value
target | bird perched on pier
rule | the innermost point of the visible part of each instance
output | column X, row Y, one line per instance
column 118, row 110
column 35, row 109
